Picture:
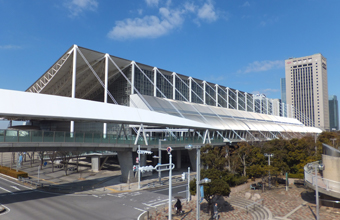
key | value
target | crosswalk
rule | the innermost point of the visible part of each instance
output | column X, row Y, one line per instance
column 143, row 201
column 8, row 187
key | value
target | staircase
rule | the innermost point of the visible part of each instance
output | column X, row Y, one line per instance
column 256, row 209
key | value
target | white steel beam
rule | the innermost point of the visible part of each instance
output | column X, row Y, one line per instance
column 155, row 81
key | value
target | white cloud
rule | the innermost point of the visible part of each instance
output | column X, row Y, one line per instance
column 260, row 66
column 152, row 3
column 153, row 26
column 246, row 4
column 207, row 12
column 9, row 47
column 148, row 26
column 78, row 6
column 268, row 21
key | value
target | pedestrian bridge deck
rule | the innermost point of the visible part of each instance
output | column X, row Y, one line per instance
column 11, row 140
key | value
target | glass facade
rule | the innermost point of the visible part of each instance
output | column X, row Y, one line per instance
column 197, row 92
column 143, row 82
column 232, row 98
column 210, row 95
column 164, row 85
column 333, row 113
column 182, row 86
column 283, row 89
column 222, row 97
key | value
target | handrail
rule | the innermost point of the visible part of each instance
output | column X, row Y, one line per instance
column 85, row 137
column 254, row 204
column 327, row 184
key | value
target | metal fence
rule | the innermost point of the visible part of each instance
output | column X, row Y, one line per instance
column 323, row 183
column 91, row 137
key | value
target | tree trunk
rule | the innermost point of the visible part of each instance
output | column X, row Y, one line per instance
column 244, row 165
column 77, row 163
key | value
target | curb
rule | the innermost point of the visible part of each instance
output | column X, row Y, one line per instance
column 2, row 209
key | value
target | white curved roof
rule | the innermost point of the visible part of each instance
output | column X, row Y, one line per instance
column 222, row 118
column 26, row 106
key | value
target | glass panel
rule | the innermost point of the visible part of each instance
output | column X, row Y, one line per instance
column 48, row 136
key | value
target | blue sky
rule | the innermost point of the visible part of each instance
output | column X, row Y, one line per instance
column 235, row 43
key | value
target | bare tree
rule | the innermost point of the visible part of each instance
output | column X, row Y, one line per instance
column 65, row 158
column 53, row 156
column 41, row 156
column 77, row 153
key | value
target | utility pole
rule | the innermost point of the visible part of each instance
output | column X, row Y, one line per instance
column 269, row 156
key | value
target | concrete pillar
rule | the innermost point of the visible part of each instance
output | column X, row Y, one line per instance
column 142, row 160
column 192, row 156
column 95, row 163
column 178, row 159
column 126, row 164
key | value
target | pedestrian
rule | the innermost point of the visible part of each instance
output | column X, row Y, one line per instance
column 178, row 206
column 215, row 211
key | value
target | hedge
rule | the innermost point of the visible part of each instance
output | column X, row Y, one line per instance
column 13, row 173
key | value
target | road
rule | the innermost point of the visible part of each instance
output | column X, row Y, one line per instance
column 25, row 203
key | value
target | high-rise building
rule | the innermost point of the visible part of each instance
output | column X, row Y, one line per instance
column 283, row 90
column 307, row 89
column 333, row 113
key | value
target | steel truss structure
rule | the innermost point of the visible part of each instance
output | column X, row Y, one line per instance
column 233, row 115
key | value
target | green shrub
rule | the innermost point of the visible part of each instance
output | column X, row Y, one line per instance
column 13, row 173
column 296, row 175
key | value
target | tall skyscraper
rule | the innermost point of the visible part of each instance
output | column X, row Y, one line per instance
column 307, row 89
column 333, row 113
column 283, row 90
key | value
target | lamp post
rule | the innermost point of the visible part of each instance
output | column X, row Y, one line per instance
column 160, row 158
column 138, row 166
column 198, row 176
column 316, row 168
column 333, row 139
column 169, row 149
column 188, row 184
column 269, row 156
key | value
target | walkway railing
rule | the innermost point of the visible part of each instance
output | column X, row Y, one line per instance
column 91, row 137
column 323, row 183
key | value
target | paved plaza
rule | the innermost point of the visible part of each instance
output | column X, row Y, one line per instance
column 296, row 204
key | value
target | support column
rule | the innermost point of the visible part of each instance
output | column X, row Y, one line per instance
column 125, row 159
column 237, row 100
column 192, row 156
column 204, row 93
column 246, row 101
column 106, row 89
column 74, row 76
column 227, row 96
column 95, row 163
column 174, row 86
column 155, row 81
column 178, row 159
column 133, row 77
column 253, row 103
column 216, row 97
column 190, row 89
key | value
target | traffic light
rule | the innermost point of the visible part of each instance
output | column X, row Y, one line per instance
column 169, row 149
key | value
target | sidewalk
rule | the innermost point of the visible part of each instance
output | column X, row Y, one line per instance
column 84, row 181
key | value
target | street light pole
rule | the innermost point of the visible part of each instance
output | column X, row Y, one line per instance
column 198, row 178
column 269, row 156
column 317, row 192
column 138, row 166
column 188, row 184
column 170, row 183
column 160, row 158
